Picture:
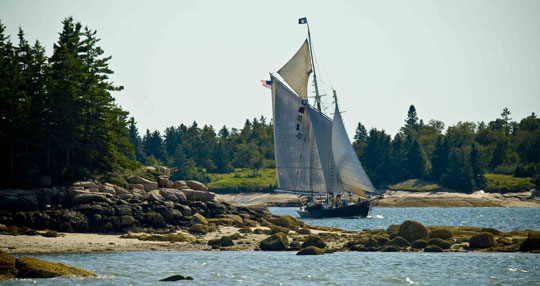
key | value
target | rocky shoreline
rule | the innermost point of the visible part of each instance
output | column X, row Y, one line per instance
column 163, row 215
column 400, row 199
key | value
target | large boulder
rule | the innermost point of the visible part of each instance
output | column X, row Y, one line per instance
column 147, row 184
column 399, row 241
column 18, row 200
column 34, row 268
column 196, row 185
column 179, row 185
column 107, row 188
column 154, row 196
column 173, row 195
column 163, row 181
column 194, row 195
column 86, row 185
column 310, row 250
column 412, row 230
column 314, row 240
column 482, row 240
column 275, row 242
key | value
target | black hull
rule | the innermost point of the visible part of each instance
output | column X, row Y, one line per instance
column 359, row 209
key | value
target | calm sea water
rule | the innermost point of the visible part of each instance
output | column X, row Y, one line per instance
column 504, row 219
column 347, row 268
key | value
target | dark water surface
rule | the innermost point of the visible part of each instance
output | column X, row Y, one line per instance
column 345, row 268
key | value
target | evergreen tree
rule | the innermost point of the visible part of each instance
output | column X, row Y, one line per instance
column 439, row 160
column 477, row 168
column 505, row 116
column 417, row 161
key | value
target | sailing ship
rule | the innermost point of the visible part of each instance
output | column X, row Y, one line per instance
column 314, row 157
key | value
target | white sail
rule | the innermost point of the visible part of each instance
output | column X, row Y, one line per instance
column 296, row 71
column 349, row 169
column 298, row 166
column 322, row 128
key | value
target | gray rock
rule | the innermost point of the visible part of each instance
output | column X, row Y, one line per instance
column 107, row 188
column 198, row 219
column 18, row 200
column 136, row 186
column 196, row 185
column 179, row 184
column 193, row 195
column 154, row 196
column 173, row 195
column 148, row 185
column 163, row 181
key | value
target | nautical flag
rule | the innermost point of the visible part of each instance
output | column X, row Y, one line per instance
column 301, row 109
column 302, row 20
column 266, row 83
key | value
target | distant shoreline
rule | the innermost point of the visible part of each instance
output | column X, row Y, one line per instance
column 402, row 199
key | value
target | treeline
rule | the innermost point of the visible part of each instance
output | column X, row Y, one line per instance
column 58, row 118
column 192, row 151
column 457, row 157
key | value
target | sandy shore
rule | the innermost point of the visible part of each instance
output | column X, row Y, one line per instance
column 404, row 199
column 91, row 242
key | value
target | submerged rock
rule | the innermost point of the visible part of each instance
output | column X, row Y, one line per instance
column 310, row 250
column 34, row 268
column 314, row 240
column 176, row 278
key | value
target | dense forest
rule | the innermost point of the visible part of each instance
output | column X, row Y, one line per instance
column 59, row 120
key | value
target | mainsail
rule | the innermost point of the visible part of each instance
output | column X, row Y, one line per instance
column 313, row 152
column 351, row 174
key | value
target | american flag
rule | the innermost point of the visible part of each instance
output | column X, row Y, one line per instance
column 266, row 83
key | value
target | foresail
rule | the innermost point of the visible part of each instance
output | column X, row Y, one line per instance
column 322, row 128
column 350, row 172
column 296, row 71
column 298, row 167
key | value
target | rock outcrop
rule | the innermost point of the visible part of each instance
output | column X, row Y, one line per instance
column 413, row 230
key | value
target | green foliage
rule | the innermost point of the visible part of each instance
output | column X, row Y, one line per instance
column 58, row 116
column 507, row 184
column 243, row 181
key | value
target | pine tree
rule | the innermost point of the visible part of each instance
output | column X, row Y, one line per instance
column 439, row 160
column 477, row 169
column 417, row 161
column 505, row 115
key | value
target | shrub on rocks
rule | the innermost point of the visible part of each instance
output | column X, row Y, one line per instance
column 444, row 244
column 398, row 241
column 418, row 244
column 314, row 240
column 275, row 242
column 310, row 250
column 443, row 233
column 433, row 248
column 413, row 230
column 482, row 240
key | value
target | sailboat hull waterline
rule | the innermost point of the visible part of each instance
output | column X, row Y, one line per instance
column 359, row 209
column 313, row 153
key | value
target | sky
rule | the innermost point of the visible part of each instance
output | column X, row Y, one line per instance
column 185, row 61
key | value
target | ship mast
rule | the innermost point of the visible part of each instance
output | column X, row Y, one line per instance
column 317, row 96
